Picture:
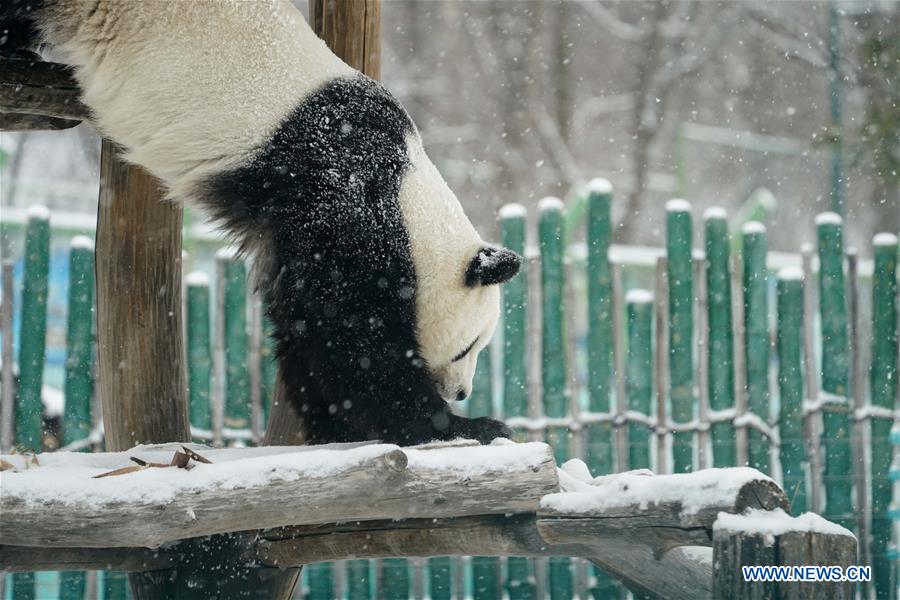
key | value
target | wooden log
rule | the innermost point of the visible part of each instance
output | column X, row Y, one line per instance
column 36, row 94
column 139, row 333
column 386, row 484
column 762, row 538
column 27, row 558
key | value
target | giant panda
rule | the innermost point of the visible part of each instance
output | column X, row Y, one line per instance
column 381, row 292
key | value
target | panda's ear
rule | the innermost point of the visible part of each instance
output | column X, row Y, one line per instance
column 492, row 266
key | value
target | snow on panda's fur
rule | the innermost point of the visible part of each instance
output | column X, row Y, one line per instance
column 381, row 291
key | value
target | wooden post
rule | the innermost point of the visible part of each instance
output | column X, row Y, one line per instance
column 809, row 541
column 139, row 335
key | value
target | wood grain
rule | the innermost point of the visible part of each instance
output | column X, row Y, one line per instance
column 139, row 332
column 35, row 94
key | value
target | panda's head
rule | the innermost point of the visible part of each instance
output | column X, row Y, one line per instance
column 457, row 276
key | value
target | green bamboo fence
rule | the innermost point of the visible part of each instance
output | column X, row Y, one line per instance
column 518, row 584
column 836, row 418
column 756, row 338
column 790, row 387
column 237, row 384
column 681, row 329
column 883, row 383
column 199, row 350
column 79, row 382
column 639, row 374
column 721, row 337
column 553, row 357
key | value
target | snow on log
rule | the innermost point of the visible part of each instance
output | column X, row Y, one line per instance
column 687, row 501
column 258, row 488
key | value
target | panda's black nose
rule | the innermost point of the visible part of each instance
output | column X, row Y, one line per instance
column 461, row 395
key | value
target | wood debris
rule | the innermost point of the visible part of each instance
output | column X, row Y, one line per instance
column 181, row 460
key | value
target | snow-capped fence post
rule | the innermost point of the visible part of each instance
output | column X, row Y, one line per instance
column 761, row 538
column 599, row 321
column 515, row 383
column 721, row 339
column 756, row 339
column 198, row 350
column 835, row 367
column 679, row 236
column 790, row 385
column 553, row 354
column 883, row 389
column 639, row 374
column 32, row 341
column 79, row 382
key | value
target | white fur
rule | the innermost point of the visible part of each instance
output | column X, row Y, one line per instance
column 450, row 315
column 190, row 88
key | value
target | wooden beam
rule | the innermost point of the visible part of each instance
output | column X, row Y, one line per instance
column 18, row 559
column 139, row 334
column 36, row 94
column 384, row 483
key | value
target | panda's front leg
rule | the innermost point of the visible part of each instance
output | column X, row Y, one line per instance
column 444, row 425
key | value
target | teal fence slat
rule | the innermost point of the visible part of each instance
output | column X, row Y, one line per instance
column 756, row 338
column 79, row 381
column 237, row 388
column 883, row 383
column 394, row 583
column 679, row 235
column 199, row 350
column 553, row 356
column 835, row 364
column 320, row 580
column 790, row 387
column 639, row 374
column 359, row 579
column 440, row 578
column 32, row 339
column 721, row 337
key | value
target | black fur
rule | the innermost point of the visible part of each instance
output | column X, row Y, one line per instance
column 339, row 280
column 492, row 266
column 18, row 32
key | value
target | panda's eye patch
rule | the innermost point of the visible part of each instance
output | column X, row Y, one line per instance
column 462, row 354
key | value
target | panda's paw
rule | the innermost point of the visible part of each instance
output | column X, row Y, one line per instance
column 486, row 430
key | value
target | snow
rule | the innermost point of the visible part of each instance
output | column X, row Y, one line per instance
column 790, row 274
column 638, row 296
column 58, row 479
column 828, row 218
column 513, row 210
column 771, row 523
column 68, row 477
column 598, row 185
column 38, row 211
column 884, row 239
column 198, row 278
column 698, row 254
column 551, row 203
column 678, row 205
column 81, row 241
column 753, row 227
column 714, row 212
column 54, row 401
column 695, row 491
